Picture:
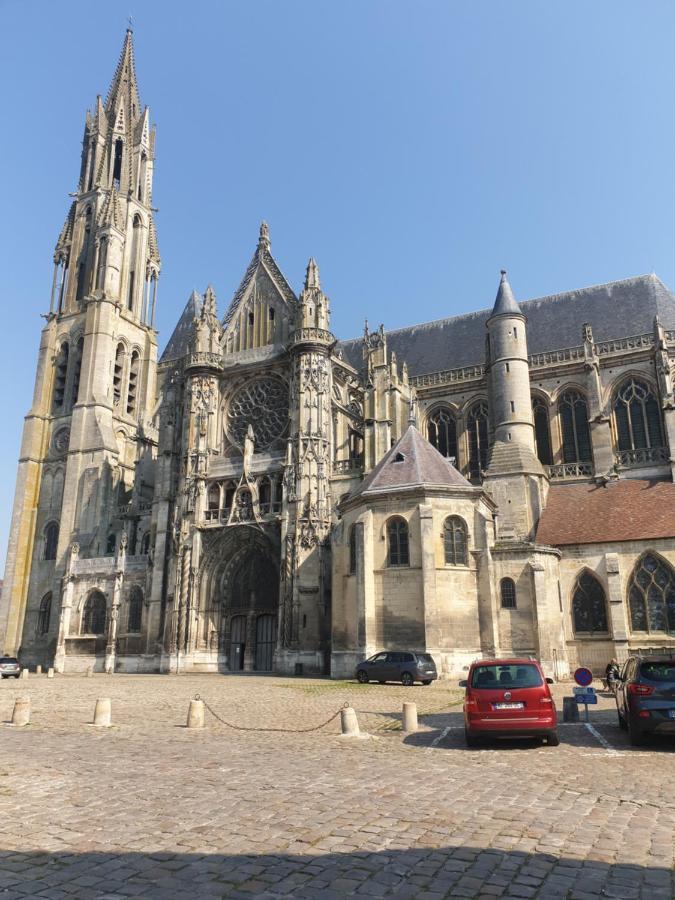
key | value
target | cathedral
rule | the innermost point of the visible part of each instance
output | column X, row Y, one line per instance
column 265, row 497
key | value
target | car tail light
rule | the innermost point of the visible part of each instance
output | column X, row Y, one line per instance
column 470, row 701
column 643, row 714
column 640, row 690
column 545, row 701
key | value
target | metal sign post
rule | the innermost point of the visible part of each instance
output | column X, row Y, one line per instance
column 584, row 693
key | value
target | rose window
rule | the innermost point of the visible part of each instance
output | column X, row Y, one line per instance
column 262, row 403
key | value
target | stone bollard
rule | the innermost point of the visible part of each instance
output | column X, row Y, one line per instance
column 409, row 722
column 103, row 713
column 21, row 712
column 89, row 672
column 38, row 670
column 350, row 724
column 50, row 673
column 24, row 674
column 195, row 718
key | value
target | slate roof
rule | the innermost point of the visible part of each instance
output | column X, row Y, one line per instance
column 614, row 310
column 421, row 465
column 180, row 339
column 625, row 510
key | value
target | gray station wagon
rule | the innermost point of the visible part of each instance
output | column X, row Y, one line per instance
column 398, row 666
column 9, row 667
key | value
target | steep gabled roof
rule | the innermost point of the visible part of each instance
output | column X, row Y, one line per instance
column 262, row 258
column 411, row 463
column 179, row 341
column 614, row 310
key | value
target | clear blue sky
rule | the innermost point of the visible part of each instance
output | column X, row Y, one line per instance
column 413, row 147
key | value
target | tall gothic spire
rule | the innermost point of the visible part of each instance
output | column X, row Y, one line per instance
column 124, row 87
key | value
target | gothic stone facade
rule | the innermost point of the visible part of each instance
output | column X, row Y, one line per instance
column 267, row 498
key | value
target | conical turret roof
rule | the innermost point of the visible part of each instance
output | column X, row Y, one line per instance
column 505, row 303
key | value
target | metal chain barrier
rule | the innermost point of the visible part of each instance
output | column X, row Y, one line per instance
column 283, row 730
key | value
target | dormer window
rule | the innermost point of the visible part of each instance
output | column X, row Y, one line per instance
column 399, row 458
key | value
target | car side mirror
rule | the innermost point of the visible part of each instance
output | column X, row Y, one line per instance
column 550, row 681
column 464, row 683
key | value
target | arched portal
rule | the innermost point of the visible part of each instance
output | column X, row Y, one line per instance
column 240, row 600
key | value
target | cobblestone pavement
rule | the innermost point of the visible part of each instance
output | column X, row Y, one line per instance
column 151, row 809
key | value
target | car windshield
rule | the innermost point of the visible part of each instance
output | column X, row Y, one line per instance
column 426, row 658
column 658, row 671
column 490, row 677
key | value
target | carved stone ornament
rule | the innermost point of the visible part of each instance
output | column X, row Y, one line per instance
column 263, row 403
column 61, row 440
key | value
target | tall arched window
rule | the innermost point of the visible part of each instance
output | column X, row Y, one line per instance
column 111, row 545
column 589, row 606
column 141, row 175
column 576, row 435
column 145, row 544
column 135, row 611
column 637, row 416
column 134, row 262
column 60, row 373
column 77, row 371
column 477, row 429
column 352, row 550
column 507, row 590
column 264, row 495
column 213, row 499
column 118, row 374
column 81, row 286
column 94, row 615
column 117, row 163
column 44, row 614
column 442, row 432
column 542, row 434
column 51, row 540
column 454, row 541
column 397, row 542
column 102, row 263
column 651, row 595
column 132, row 389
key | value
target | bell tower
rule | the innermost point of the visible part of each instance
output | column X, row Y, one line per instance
column 88, row 440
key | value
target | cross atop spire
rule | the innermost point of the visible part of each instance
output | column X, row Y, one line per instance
column 124, row 86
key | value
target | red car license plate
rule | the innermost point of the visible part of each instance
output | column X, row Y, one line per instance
column 509, row 706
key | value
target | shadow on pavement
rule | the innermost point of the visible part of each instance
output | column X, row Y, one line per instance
column 463, row 871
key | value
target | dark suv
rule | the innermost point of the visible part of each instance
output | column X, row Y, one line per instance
column 394, row 666
column 645, row 698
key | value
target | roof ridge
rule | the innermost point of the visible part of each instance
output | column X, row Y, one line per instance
column 539, row 299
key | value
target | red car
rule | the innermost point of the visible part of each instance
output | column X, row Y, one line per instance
column 508, row 698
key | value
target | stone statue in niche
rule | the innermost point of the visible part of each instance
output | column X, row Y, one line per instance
column 249, row 449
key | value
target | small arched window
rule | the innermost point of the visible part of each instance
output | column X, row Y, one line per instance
column 542, row 434
column 264, row 495
column 118, row 374
column 589, row 606
column 455, row 541
column 507, row 589
column 94, row 615
column 51, row 540
column 135, row 611
column 145, row 544
column 637, row 416
column 60, row 373
column 651, row 595
column 442, row 432
column 397, row 538
column 111, row 544
column 213, row 498
column 44, row 614
column 576, row 436
column 352, row 550
column 477, row 429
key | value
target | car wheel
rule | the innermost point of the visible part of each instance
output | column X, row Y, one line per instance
column 425, row 683
column 362, row 677
column 471, row 740
column 636, row 738
column 15, row 676
column 622, row 721
column 552, row 739
column 406, row 679
column 381, row 682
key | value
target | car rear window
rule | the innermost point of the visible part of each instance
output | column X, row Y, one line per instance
column 494, row 676
column 8, row 659
column 658, row 671
column 426, row 658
